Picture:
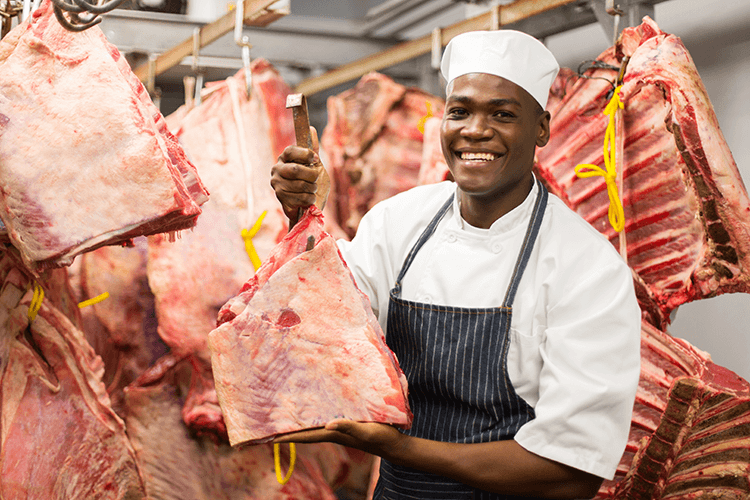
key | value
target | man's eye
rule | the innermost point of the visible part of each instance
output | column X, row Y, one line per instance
column 457, row 112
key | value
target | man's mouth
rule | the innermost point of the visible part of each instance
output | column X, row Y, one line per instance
column 478, row 157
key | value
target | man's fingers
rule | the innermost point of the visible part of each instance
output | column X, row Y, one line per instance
column 307, row 436
column 297, row 154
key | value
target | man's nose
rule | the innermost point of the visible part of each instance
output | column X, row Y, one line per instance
column 477, row 128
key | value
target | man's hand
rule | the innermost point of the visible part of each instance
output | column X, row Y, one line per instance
column 499, row 466
column 299, row 179
column 378, row 439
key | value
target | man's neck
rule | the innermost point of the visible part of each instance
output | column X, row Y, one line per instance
column 482, row 212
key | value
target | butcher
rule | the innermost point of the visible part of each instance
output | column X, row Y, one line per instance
column 514, row 320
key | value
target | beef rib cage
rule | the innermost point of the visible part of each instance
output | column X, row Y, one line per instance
column 687, row 214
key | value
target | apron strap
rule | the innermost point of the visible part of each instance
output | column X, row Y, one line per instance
column 528, row 243
column 524, row 254
column 429, row 230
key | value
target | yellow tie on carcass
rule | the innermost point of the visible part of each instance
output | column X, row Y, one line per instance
column 277, row 462
column 247, row 236
column 36, row 302
column 616, row 211
column 93, row 300
column 423, row 120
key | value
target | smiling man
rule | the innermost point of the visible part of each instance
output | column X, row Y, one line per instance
column 513, row 319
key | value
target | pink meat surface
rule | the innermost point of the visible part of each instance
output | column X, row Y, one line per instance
column 59, row 437
column 300, row 346
column 374, row 144
column 178, row 466
column 121, row 328
column 234, row 140
column 84, row 164
column 687, row 214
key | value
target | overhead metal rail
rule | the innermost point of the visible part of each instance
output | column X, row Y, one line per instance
column 500, row 15
column 256, row 13
column 537, row 17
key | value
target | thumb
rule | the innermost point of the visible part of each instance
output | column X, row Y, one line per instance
column 340, row 425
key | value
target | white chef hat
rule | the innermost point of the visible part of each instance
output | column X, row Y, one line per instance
column 513, row 55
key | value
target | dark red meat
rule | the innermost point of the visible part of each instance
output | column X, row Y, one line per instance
column 373, row 144
column 687, row 214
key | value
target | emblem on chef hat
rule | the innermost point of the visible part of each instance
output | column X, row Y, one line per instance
column 515, row 56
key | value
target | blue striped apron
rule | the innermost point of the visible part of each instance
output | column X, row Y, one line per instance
column 455, row 361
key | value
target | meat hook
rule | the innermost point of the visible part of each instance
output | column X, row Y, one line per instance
column 75, row 23
column 597, row 64
column 99, row 9
column 67, row 7
column 244, row 42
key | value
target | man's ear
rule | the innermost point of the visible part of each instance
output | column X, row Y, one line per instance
column 542, row 136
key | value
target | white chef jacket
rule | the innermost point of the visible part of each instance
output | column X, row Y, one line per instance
column 574, row 354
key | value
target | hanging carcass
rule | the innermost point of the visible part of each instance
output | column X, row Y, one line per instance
column 373, row 144
column 81, row 170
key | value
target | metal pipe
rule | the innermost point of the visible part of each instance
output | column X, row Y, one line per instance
column 99, row 9
column 421, row 18
column 398, row 9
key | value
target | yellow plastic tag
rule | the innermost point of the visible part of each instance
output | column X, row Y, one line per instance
column 247, row 236
column 277, row 462
column 36, row 302
column 93, row 300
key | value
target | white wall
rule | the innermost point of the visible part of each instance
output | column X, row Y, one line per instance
column 717, row 34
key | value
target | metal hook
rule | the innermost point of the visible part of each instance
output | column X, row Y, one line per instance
column 151, row 80
column 614, row 10
column 98, row 9
column 75, row 23
column 196, row 68
column 437, row 48
column 76, row 20
column 244, row 42
column 196, row 47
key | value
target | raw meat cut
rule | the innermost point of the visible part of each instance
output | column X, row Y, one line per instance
column 700, row 447
column 234, row 141
column 433, row 168
column 373, row 144
column 720, row 399
column 178, row 466
column 59, row 437
column 122, row 328
column 300, row 346
column 84, row 164
column 346, row 470
column 663, row 359
column 687, row 213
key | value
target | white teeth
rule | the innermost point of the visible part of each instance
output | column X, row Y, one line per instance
column 478, row 156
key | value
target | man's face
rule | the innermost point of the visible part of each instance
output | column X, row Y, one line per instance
column 489, row 133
